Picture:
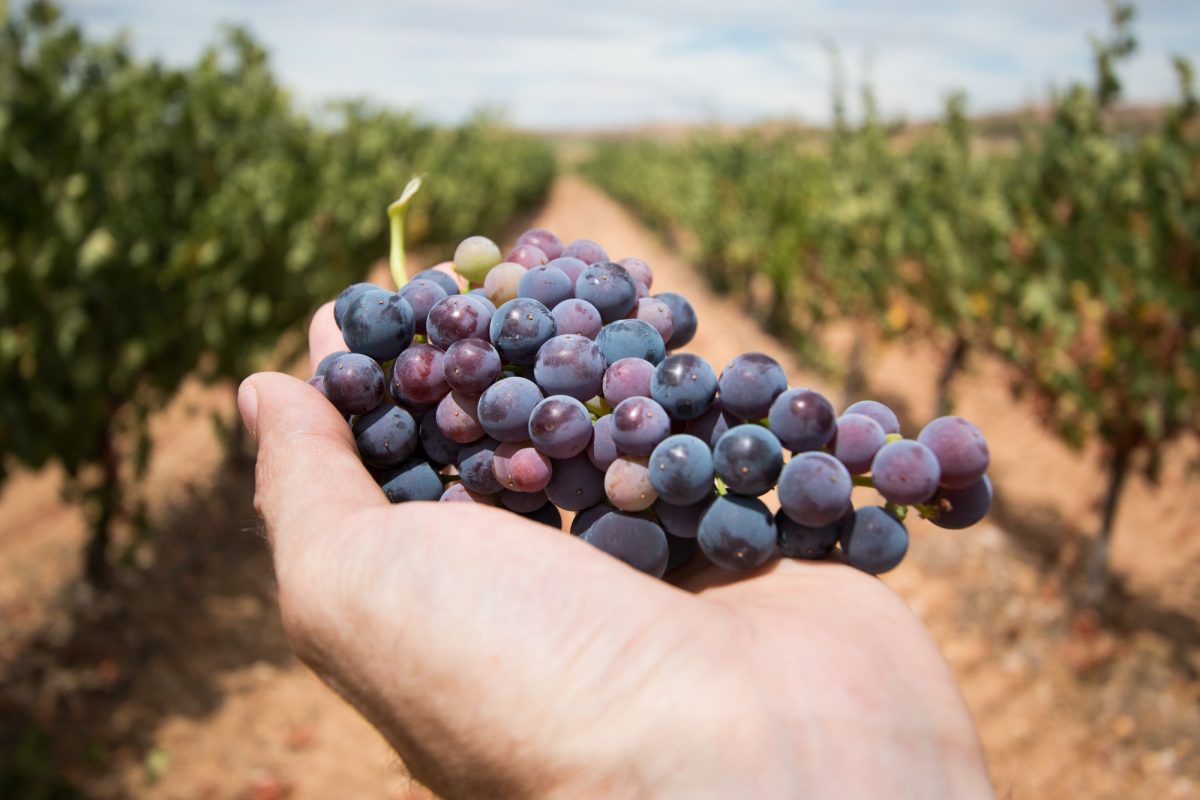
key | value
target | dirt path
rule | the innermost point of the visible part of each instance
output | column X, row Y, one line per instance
column 184, row 687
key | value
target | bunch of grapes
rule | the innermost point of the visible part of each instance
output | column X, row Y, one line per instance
column 557, row 383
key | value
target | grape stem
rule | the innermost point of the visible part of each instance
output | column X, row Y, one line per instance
column 900, row 511
column 864, row 480
column 721, row 490
column 395, row 212
column 598, row 406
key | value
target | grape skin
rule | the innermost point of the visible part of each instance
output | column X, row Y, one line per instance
column 584, row 519
column 575, row 484
column 418, row 376
column 354, row 383
column 680, row 550
column 683, row 521
column 442, row 279
column 459, row 493
column 347, row 297
column 802, row 419
column 632, row 538
column 683, row 316
column 639, row 270
column 807, row 541
column 502, row 281
column 586, row 251
column 528, row 256
column 385, row 436
column 414, row 479
column 435, row 445
column 422, row 294
column 474, row 465
column 657, row 314
column 505, row 407
column 519, row 328
column 474, row 256
column 627, row 484
column 323, row 364
column 560, row 426
column 519, row 466
column 737, row 533
column 627, row 377
column 573, row 267
column 460, row 316
column 548, row 285
column 379, row 324
column 961, row 450
column 609, row 287
column 544, row 240
column 750, row 383
column 577, row 316
column 905, row 472
column 457, row 417
column 857, row 440
column 748, row 459
column 681, row 470
column 570, row 364
column 630, row 338
column 814, row 489
column 546, row 515
column 522, row 502
column 685, row 385
column 471, row 366
column 962, row 508
column 602, row 452
column 877, row 411
column 639, row 424
column 874, row 540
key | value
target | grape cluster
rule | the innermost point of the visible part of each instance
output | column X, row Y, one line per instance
column 556, row 383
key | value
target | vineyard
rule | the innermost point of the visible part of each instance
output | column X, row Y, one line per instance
column 1071, row 251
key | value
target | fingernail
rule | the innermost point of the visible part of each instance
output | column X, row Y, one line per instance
column 248, row 405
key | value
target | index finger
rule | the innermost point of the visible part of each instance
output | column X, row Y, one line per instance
column 324, row 337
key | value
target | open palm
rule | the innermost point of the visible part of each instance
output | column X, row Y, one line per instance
column 502, row 658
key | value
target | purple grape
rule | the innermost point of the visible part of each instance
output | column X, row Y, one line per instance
column 639, row 424
column 627, row 484
column 875, row 540
column 586, row 251
column 627, row 377
column 481, row 295
column 560, row 426
column 577, row 316
column 683, row 316
column 422, row 294
column 459, row 493
column 457, row 416
column 347, row 297
column 962, row 508
column 639, row 270
column 630, row 338
column 475, row 466
column 905, row 472
column 683, row 521
column 379, row 324
column 546, row 515
column 519, row 329
column 528, row 256
column 878, row 412
column 584, row 519
column 522, row 502
column 415, row 479
column 505, row 407
column 418, row 376
column 519, row 467
column 685, row 385
column 548, row 285
column 435, row 445
column 354, row 383
column 609, row 287
column 681, row 469
column 802, row 419
column 385, row 436
column 544, row 240
column 323, row 364
column 679, row 551
column 750, row 383
column 471, row 366
column 602, row 451
column 657, row 314
column 748, row 459
column 737, row 533
column 960, row 448
column 632, row 538
column 856, row 442
column 576, row 484
column 814, row 489
column 810, row 542
column 460, row 316
column 442, row 279
column 570, row 364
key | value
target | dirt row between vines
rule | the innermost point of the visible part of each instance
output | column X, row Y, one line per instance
column 179, row 683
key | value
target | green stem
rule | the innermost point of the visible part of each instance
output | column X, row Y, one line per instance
column 900, row 511
column 926, row 510
column 864, row 480
column 395, row 214
column 598, row 406
column 721, row 490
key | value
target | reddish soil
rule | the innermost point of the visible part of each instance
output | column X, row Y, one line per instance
column 178, row 681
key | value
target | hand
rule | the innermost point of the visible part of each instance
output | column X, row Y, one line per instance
column 501, row 658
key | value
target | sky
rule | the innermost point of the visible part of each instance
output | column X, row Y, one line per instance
column 621, row 63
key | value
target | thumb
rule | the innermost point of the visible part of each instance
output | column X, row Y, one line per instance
column 308, row 466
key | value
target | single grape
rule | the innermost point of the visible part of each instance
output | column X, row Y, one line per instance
column 548, row 285
column 630, row 338
column 323, row 364
column 519, row 467
column 460, row 316
column 519, row 328
column 471, row 366
column 502, row 281
column 560, row 426
column 584, row 519
column 474, row 465
column 877, row 411
column 750, row 383
column 443, row 279
column 602, row 451
column 681, row 470
column 657, row 314
column 807, row 541
column 802, row 419
column 712, row 424
column 874, row 540
column 586, row 251
column 418, row 376
column 683, row 521
column 639, row 424
column 422, row 294
column 474, row 256
column 347, row 297
column 573, row 268
column 547, row 515
column 627, row 377
column 632, row 538
column 354, row 383
column 577, row 316
column 481, row 295
column 385, row 436
column 905, row 472
column 683, row 316
column 856, row 442
column 627, row 484
column 435, row 445
column 737, row 533
column 748, row 459
column 544, row 240
column 609, row 287
column 570, row 364
column 527, row 255
column 522, row 502
column 962, row 508
column 459, row 493
column 378, row 324
column 639, row 270
column 457, row 416
column 814, row 488
column 415, row 479
column 961, row 450
column 679, row 551
column 685, row 385
column 576, row 484
column 505, row 407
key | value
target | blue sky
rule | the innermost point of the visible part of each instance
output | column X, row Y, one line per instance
column 563, row 65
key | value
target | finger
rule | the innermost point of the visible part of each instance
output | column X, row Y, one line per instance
column 308, row 466
column 323, row 335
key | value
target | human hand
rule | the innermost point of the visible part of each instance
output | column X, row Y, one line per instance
column 502, row 658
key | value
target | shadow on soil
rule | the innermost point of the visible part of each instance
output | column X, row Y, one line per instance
column 90, row 690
